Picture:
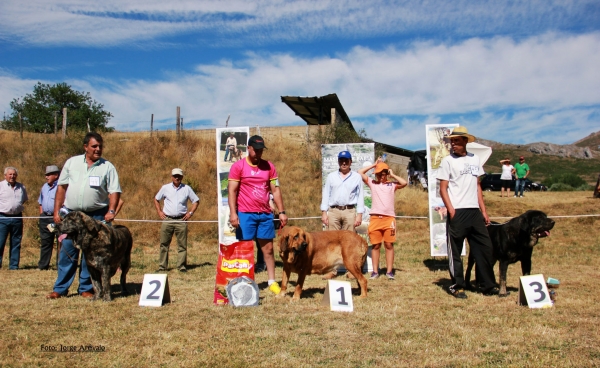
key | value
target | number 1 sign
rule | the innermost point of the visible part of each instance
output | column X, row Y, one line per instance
column 533, row 292
column 155, row 290
column 338, row 295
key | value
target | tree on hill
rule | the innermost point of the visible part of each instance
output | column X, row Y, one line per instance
column 37, row 110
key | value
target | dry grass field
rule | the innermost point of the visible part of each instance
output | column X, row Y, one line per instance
column 408, row 322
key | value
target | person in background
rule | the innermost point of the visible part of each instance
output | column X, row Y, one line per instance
column 46, row 202
column 382, row 222
column 12, row 197
column 506, row 176
column 175, row 213
column 521, row 171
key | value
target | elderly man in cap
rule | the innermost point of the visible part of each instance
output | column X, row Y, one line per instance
column 175, row 213
column 342, row 200
column 250, row 182
column 467, row 218
column 12, row 197
column 46, row 202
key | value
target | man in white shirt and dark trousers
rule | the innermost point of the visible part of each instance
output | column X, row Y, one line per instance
column 175, row 213
column 342, row 201
column 467, row 218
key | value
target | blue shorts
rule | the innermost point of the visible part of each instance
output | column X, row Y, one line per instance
column 255, row 225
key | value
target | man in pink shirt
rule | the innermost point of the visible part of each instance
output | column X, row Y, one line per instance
column 382, row 221
column 250, row 182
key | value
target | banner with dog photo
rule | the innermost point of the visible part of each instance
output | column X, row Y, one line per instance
column 363, row 154
column 236, row 258
column 438, row 147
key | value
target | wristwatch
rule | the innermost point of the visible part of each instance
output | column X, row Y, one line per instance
column 282, row 212
column 111, row 211
column 191, row 213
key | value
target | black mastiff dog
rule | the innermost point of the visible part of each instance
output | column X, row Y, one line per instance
column 514, row 241
column 106, row 248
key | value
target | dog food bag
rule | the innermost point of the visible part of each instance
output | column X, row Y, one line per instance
column 235, row 260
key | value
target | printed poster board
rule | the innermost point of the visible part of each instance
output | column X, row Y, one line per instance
column 236, row 258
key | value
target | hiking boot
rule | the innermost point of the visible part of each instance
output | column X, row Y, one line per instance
column 458, row 293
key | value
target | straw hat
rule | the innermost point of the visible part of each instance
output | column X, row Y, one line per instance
column 461, row 131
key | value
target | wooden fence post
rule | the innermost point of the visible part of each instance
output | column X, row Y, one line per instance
column 177, row 122
column 151, row 124
column 64, row 127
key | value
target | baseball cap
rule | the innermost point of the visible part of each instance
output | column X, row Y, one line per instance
column 177, row 172
column 257, row 142
column 52, row 169
column 345, row 154
column 380, row 167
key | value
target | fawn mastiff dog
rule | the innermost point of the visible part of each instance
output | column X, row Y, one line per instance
column 514, row 241
column 106, row 248
column 319, row 253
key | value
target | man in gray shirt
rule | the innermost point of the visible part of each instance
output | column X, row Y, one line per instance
column 175, row 213
column 90, row 184
column 12, row 197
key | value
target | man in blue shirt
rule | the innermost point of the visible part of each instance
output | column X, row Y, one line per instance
column 342, row 201
column 46, row 202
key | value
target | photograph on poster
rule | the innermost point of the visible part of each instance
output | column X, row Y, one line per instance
column 233, row 145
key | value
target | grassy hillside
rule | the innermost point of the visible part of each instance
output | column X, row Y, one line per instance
column 545, row 166
column 592, row 141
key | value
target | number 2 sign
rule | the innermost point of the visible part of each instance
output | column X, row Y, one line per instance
column 533, row 292
column 338, row 295
column 155, row 290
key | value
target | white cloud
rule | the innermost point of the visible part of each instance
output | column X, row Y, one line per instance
column 541, row 88
column 114, row 22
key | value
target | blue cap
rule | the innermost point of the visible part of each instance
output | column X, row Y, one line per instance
column 345, row 154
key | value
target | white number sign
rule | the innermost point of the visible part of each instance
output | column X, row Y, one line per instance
column 533, row 292
column 155, row 290
column 338, row 295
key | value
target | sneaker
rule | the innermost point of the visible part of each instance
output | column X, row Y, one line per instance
column 521, row 196
column 458, row 293
column 275, row 288
column 515, row 196
column 374, row 275
column 390, row 275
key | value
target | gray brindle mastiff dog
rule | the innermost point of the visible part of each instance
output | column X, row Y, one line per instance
column 106, row 248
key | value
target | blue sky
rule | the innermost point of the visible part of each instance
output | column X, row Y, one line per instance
column 511, row 71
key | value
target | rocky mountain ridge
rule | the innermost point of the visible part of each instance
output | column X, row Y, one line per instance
column 543, row 148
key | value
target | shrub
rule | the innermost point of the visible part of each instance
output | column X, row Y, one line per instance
column 569, row 179
column 561, row 187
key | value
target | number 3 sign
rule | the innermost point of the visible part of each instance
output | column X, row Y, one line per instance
column 155, row 290
column 533, row 292
column 338, row 295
